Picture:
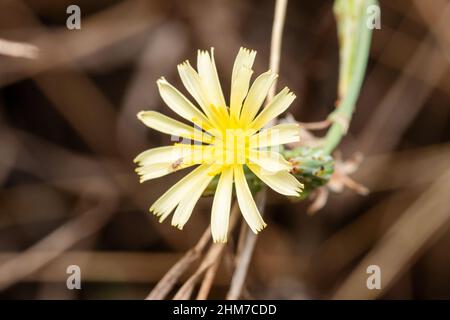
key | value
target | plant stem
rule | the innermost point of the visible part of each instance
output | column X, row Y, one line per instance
column 360, row 42
column 275, row 43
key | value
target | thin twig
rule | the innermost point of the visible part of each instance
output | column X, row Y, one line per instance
column 18, row 49
column 318, row 125
column 212, row 256
column 243, row 262
column 109, row 28
column 208, row 280
column 171, row 277
column 241, row 242
column 56, row 243
column 275, row 45
column 400, row 245
column 430, row 13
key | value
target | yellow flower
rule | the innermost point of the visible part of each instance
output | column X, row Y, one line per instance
column 225, row 139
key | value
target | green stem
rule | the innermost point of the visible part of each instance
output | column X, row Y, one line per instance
column 343, row 113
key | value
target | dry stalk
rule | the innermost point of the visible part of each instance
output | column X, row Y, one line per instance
column 56, row 243
column 171, row 277
column 409, row 235
column 213, row 256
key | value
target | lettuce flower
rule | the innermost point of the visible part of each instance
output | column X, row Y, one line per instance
column 221, row 140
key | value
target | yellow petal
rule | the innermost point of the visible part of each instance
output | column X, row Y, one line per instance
column 275, row 107
column 191, row 80
column 220, row 213
column 162, row 123
column 170, row 154
column 176, row 101
column 240, row 79
column 172, row 197
column 187, row 203
column 209, row 78
column 282, row 182
column 271, row 161
column 239, row 90
column 246, row 202
column 194, row 85
column 276, row 135
column 158, row 162
column 159, row 155
column 245, row 58
column 158, row 170
column 256, row 96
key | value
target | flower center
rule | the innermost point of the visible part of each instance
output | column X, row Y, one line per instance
column 232, row 148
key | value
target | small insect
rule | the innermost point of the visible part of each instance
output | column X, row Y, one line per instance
column 294, row 162
column 294, row 166
column 177, row 164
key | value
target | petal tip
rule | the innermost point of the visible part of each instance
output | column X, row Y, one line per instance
column 260, row 228
column 140, row 115
column 161, row 81
column 220, row 240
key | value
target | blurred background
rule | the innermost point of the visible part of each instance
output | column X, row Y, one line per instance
column 68, row 134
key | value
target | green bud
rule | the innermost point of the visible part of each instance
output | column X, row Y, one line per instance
column 311, row 166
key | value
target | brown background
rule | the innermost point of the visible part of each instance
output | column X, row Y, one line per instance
column 68, row 134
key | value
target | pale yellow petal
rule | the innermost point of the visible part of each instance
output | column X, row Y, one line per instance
column 246, row 203
column 186, row 206
column 172, row 197
column 276, row 135
column 276, row 106
column 244, row 58
column 282, row 182
column 220, row 213
column 162, row 123
column 240, row 79
column 172, row 154
column 198, row 154
column 271, row 161
column 158, row 170
column 210, row 80
column 194, row 85
column 256, row 96
column 158, row 162
column 239, row 90
column 176, row 101
column 159, row 155
column 191, row 80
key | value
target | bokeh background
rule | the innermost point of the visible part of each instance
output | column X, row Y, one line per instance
column 68, row 134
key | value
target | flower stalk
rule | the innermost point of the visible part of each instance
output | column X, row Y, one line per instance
column 354, row 43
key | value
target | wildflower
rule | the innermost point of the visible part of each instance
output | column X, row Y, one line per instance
column 226, row 138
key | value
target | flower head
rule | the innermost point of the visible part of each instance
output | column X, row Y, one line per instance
column 222, row 140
